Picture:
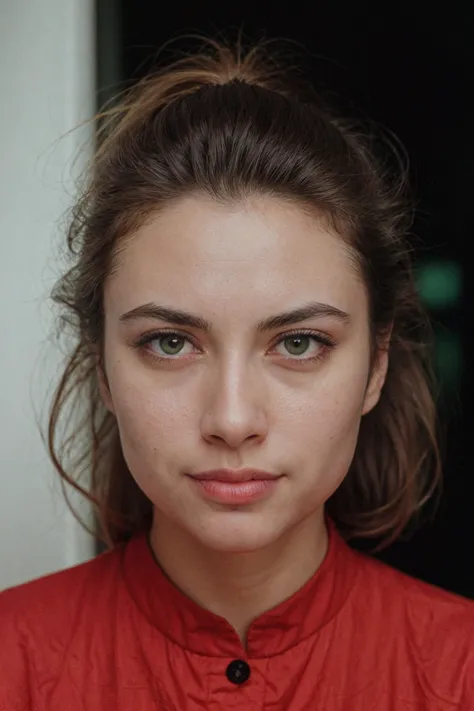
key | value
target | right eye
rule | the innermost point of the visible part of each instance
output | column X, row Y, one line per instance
column 166, row 345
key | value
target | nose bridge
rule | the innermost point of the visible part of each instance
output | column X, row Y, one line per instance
column 235, row 408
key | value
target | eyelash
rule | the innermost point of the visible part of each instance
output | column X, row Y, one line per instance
column 324, row 340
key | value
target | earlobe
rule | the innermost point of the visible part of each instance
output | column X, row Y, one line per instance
column 104, row 389
column 377, row 380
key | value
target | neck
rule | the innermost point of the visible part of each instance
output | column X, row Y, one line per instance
column 240, row 586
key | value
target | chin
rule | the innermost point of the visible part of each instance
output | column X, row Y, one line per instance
column 236, row 537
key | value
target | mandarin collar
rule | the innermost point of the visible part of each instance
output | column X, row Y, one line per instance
column 198, row 630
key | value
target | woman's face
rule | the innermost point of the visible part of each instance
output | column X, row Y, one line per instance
column 286, row 397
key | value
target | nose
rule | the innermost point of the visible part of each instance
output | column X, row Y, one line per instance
column 235, row 411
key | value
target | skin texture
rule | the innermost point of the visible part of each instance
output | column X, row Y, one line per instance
column 236, row 397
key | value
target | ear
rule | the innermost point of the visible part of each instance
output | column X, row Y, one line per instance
column 104, row 388
column 378, row 373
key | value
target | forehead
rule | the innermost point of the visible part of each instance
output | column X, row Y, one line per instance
column 200, row 254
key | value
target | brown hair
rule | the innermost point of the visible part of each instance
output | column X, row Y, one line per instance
column 230, row 125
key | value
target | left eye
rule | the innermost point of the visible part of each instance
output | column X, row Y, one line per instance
column 299, row 344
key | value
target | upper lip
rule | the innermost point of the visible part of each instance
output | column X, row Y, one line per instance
column 234, row 475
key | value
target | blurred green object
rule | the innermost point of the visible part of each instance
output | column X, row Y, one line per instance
column 439, row 283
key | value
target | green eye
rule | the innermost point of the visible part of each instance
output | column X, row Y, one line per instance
column 171, row 344
column 297, row 345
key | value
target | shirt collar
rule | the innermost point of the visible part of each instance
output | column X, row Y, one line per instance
column 198, row 630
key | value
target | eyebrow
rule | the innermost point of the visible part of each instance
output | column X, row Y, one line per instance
column 184, row 318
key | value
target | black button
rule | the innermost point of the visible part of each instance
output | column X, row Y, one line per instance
column 238, row 671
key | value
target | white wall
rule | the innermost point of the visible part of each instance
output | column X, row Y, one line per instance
column 47, row 75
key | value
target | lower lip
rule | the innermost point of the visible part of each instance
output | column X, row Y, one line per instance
column 244, row 492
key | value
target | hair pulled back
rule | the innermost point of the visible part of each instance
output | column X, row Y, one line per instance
column 230, row 125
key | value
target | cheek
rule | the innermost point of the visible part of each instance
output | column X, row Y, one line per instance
column 330, row 426
column 326, row 425
column 331, row 400
column 152, row 420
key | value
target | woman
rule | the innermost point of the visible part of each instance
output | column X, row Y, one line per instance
column 250, row 349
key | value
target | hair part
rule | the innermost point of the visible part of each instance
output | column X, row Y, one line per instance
column 231, row 126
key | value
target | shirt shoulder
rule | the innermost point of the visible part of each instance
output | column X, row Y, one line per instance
column 435, row 628
column 37, row 619
column 55, row 594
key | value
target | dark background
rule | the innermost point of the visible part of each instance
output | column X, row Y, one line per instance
column 410, row 68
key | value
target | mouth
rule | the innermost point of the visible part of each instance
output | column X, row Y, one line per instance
column 234, row 487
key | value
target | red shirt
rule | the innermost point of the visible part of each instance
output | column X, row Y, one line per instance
column 114, row 634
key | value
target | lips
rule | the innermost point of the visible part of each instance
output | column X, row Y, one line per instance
column 234, row 475
column 235, row 487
